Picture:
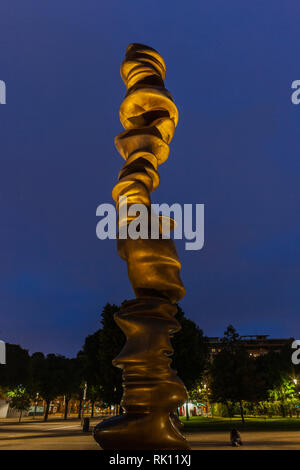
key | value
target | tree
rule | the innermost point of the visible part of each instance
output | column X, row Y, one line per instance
column 280, row 376
column 94, row 393
column 200, row 394
column 19, row 399
column 91, row 368
column 112, row 340
column 268, row 373
column 82, row 376
column 37, row 361
column 190, row 351
column 233, row 373
column 70, row 380
column 104, row 380
column 16, row 369
column 285, row 395
column 48, row 377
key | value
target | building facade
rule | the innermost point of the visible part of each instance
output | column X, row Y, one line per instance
column 256, row 345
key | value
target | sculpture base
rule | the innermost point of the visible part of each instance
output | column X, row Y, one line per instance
column 139, row 432
column 152, row 390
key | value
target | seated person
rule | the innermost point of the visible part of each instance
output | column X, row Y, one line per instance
column 235, row 438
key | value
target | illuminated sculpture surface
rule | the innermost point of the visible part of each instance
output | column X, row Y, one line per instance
column 152, row 390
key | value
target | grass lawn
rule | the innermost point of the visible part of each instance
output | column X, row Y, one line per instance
column 200, row 423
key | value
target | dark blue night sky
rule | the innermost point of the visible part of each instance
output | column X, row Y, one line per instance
column 230, row 65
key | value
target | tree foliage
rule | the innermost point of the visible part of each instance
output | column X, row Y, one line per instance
column 16, row 369
column 19, row 399
column 233, row 377
column 99, row 350
column 190, row 351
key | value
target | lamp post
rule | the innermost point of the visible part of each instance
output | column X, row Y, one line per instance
column 35, row 405
column 83, row 401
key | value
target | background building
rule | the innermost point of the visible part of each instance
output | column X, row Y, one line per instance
column 256, row 345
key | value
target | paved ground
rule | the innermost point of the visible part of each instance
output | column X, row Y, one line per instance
column 253, row 440
column 57, row 434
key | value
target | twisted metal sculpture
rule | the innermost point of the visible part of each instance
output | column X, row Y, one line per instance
column 152, row 390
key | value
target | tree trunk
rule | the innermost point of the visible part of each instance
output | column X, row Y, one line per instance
column 66, row 408
column 79, row 409
column 92, row 410
column 47, row 410
column 20, row 416
column 187, row 411
column 242, row 412
column 228, row 408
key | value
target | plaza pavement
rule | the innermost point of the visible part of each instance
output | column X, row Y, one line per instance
column 57, row 434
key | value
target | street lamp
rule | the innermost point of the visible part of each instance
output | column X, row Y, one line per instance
column 83, row 401
column 36, row 402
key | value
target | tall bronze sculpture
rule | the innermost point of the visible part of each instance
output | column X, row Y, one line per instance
column 152, row 390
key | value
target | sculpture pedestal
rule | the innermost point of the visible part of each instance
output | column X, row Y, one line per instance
column 152, row 389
